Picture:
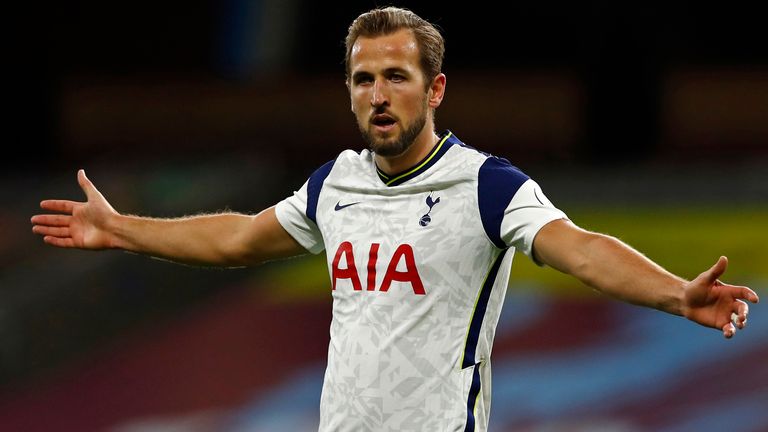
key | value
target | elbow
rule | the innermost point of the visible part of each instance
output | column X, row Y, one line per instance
column 240, row 256
column 233, row 251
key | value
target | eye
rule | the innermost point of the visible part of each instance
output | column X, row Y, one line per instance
column 397, row 78
column 363, row 79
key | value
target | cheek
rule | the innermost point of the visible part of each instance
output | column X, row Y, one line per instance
column 413, row 99
column 357, row 102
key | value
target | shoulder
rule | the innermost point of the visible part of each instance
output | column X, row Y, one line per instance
column 490, row 169
column 498, row 181
column 345, row 160
column 496, row 170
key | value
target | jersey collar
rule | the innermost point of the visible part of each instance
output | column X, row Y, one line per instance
column 442, row 146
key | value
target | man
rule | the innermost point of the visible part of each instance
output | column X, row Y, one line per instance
column 420, row 231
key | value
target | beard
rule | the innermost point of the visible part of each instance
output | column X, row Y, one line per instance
column 395, row 146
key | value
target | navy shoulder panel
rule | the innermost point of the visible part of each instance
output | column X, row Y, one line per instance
column 498, row 181
column 314, row 185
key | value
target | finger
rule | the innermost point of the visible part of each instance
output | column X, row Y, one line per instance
column 749, row 295
column 742, row 310
column 59, row 241
column 61, row 206
column 717, row 270
column 729, row 330
column 741, row 292
column 739, row 322
column 51, row 220
column 51, row 231
column 86, row 185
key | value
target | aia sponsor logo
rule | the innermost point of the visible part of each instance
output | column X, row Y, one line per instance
column 403, row 253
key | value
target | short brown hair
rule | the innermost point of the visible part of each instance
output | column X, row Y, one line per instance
column 384, row 21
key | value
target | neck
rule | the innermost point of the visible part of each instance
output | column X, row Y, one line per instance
column 422, row 145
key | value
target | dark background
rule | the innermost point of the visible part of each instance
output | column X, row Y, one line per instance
column 620, row 57
column 185, row 107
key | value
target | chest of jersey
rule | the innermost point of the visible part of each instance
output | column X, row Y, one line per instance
column 408, row 243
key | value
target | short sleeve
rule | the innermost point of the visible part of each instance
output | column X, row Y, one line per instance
column 298, row 213
column 292, row 215
column 512, row 206
column 527, row 212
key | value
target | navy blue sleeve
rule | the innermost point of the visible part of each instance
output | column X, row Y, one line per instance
column 314, row 185
column 498, row 181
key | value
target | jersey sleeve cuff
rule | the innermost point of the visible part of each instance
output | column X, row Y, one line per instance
column 306, row 238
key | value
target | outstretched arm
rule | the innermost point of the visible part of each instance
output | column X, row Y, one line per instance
column 227, row 239
column 607, row 264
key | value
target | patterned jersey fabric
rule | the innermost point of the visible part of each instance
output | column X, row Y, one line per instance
column 419, row 265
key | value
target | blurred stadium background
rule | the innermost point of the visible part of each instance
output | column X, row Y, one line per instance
column 648, row 123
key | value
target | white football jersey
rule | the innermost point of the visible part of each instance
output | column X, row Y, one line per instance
column 419, row 265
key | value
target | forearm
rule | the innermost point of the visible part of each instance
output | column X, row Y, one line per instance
column 215, row 240
column 613, row 267
column 225, row 239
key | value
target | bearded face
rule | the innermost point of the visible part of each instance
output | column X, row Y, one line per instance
column 388, row 91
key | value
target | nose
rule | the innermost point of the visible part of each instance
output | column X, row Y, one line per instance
column 379, row 96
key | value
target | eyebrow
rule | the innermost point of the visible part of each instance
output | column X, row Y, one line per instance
column 387, row 71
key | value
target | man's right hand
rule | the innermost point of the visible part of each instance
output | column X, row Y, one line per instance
column 77, row 224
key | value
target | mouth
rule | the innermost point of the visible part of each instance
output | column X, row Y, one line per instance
column 383, row 122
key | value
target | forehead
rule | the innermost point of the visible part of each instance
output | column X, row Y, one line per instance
column 398, row 49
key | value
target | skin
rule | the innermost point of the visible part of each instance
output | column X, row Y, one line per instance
column 605, row 263
column 386, row 81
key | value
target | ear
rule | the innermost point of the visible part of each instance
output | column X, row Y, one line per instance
column 349, row 92
column 436, row 91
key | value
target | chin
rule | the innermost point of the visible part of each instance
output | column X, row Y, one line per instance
column 393, row 142
column 390, row 149
column 386, row 144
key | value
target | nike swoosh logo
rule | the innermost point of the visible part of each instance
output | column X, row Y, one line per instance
column 339, row 206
